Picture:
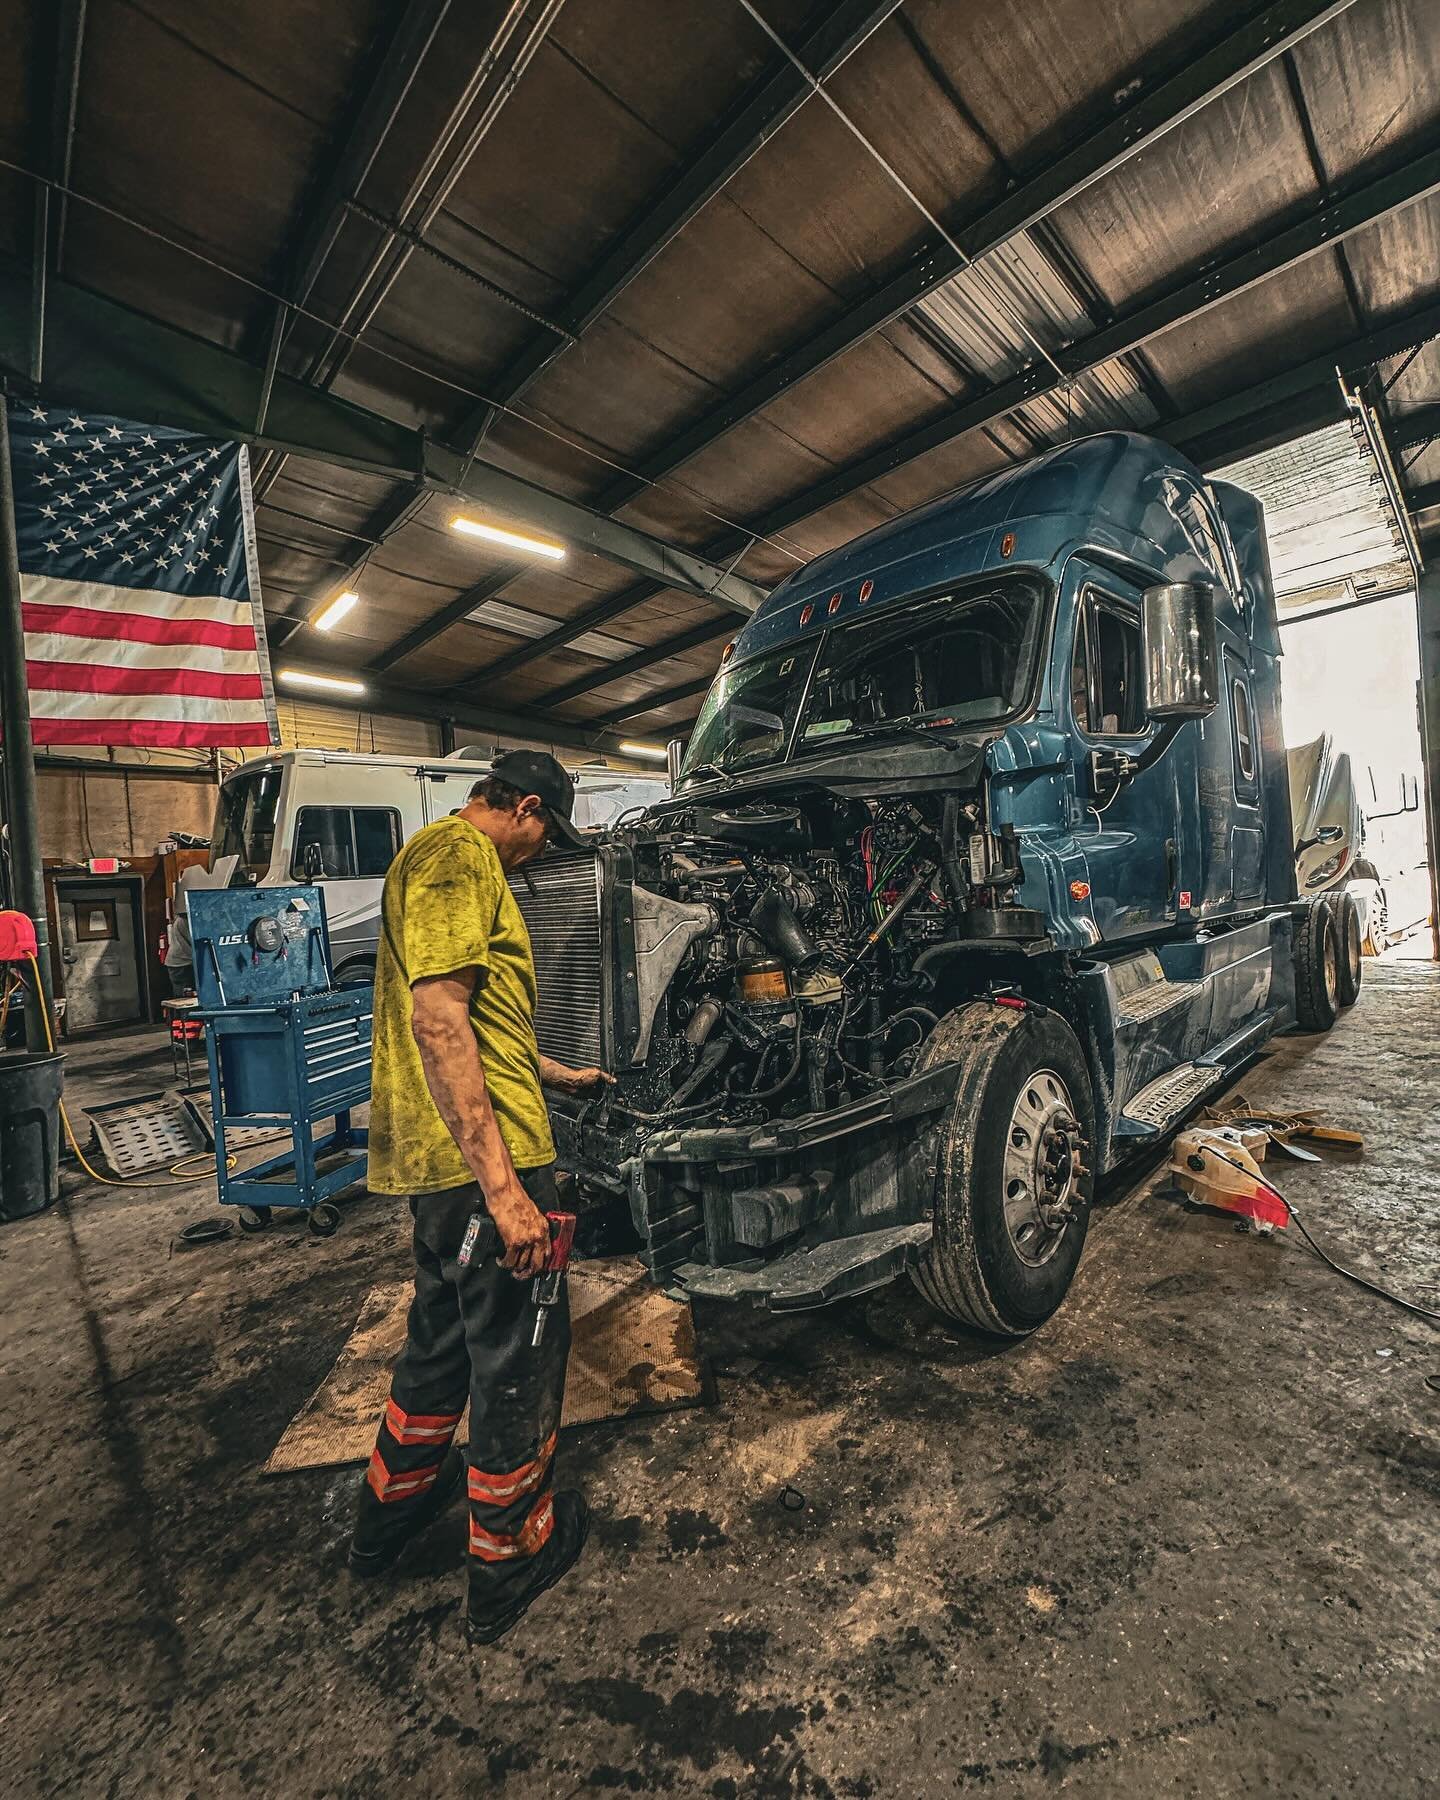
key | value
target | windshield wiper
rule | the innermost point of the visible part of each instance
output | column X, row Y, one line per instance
column 900, row 728
column 709, row 768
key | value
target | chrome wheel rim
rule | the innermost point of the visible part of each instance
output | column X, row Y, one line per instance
column 1331, row 961
column 1043, row 1167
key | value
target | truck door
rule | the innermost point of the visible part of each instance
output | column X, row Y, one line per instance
column 1129, row 828
column 1247, row 830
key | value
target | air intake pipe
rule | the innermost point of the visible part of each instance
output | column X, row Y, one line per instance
column 773, row 920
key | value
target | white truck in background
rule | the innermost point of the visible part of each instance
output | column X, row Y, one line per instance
column 339, row 819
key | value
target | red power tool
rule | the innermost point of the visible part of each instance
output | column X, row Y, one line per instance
column 545, row 1289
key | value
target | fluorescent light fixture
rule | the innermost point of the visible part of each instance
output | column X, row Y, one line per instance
column 522, row 622
column 655, row 750
column 331, row 616
column 511, row 540
column 331, row 684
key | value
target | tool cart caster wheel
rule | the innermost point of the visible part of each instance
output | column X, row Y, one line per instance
column 254, row 1218
column 324, row 1219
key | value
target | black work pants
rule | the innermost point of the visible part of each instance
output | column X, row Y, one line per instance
column 469, row 1338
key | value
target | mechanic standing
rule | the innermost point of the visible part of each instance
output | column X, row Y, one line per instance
column 458, row 1123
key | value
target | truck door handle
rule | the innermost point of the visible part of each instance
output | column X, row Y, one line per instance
column 1172, row 864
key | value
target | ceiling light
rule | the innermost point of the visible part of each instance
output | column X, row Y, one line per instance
column 655, row 750
column 332, row 684
column 331, row 615
column 512, row 540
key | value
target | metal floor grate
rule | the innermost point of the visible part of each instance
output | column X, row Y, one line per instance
column 150, row 1132
column 1167, row 1098
column 197, row 1102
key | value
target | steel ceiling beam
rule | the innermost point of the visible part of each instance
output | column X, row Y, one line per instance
column 401, row 506
column 322, row 216
column 1165, row 104
column 769, row 104
column 1333, row 219
column 644, row 658
column 104, row 355
column 636, row 709
column 566, row 633
column 458, row 609
column 1413, row 429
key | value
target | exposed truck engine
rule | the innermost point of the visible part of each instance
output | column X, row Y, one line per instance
column 979, row 874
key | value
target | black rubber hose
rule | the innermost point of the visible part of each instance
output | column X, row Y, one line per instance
column 906, row 1012
column 780, row 1086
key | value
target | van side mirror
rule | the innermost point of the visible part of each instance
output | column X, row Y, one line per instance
column 1181, row 650
column 674, row 756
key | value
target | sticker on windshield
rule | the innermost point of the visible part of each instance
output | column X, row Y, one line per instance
column 825, row 727
column 787, row 665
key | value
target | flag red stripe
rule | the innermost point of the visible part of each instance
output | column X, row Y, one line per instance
column 88, row 678
column 139, row 628
column 164, row 734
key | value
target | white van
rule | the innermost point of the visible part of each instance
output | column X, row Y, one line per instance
column 338, row 820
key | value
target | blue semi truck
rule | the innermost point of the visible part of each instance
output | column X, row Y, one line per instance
column 978, row 875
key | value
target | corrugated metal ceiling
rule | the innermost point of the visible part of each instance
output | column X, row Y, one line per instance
column 217, row 128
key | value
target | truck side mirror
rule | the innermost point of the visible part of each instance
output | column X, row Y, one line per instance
column 674, row 756
column 1182, row 655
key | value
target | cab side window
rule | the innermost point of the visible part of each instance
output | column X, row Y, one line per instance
column 1107, row 673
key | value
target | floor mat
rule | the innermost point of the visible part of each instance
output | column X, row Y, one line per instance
column 632, row 1350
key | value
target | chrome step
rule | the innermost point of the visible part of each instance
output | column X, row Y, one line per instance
column 1170, row 1095
column 1158, row 997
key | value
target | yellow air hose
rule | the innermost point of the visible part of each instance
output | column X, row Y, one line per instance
column 80, row 1157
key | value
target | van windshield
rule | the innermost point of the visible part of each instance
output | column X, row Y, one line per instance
column 245, row 821
column 961, row 659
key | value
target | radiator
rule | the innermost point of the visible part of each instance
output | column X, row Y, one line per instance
column 563, row 917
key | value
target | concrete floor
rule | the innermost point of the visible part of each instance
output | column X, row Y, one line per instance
column 1184, row 1540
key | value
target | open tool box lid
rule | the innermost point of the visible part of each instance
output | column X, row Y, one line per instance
column 258, row 946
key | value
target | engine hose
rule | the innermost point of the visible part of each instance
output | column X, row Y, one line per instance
column 780, row 1086
column 906, row 1012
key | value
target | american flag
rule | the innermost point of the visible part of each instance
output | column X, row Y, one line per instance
column 139, row 587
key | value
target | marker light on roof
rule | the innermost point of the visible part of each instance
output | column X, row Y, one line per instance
column 867, row 588
column 1007, row 543
column 728, row 651
column 807, row 613
column 834, row 606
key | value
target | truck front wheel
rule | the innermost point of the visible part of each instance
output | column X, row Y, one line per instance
column 1014, row 1178
column 1317, row 968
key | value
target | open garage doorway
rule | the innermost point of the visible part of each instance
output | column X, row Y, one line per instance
column 1344, row 561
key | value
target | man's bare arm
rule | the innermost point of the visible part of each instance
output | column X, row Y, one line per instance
column 571, row 1081
column 455, row 1076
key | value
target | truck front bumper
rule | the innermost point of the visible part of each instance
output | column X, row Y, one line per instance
column 790, row 1213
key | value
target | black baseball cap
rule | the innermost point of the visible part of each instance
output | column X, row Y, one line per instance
column 536, row 772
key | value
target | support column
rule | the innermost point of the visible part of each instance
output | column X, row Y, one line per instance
column 21, row 812
column 1427, row 601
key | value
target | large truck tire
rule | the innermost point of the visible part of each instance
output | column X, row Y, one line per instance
column 1347, row 931
column 1014, row 1177
column 1317, row 967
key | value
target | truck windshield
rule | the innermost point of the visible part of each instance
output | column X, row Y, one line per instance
column 749, row 713
column 962, row 658
column 245, row 821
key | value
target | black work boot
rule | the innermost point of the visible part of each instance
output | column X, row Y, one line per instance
column 494, row 1608
column 382, row 1532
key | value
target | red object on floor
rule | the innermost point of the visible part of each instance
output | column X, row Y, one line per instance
column 17, row 937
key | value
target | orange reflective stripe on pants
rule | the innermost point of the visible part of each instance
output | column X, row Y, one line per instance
column 505, row 1489
column 405, row 1484
column 419, row 1428
column 497, row 1546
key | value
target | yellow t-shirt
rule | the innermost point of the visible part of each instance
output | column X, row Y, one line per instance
column 448, row 906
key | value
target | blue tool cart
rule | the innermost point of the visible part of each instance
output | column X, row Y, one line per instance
column 286, row 1049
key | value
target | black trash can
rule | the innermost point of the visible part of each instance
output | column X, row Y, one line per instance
column 30, row 1087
